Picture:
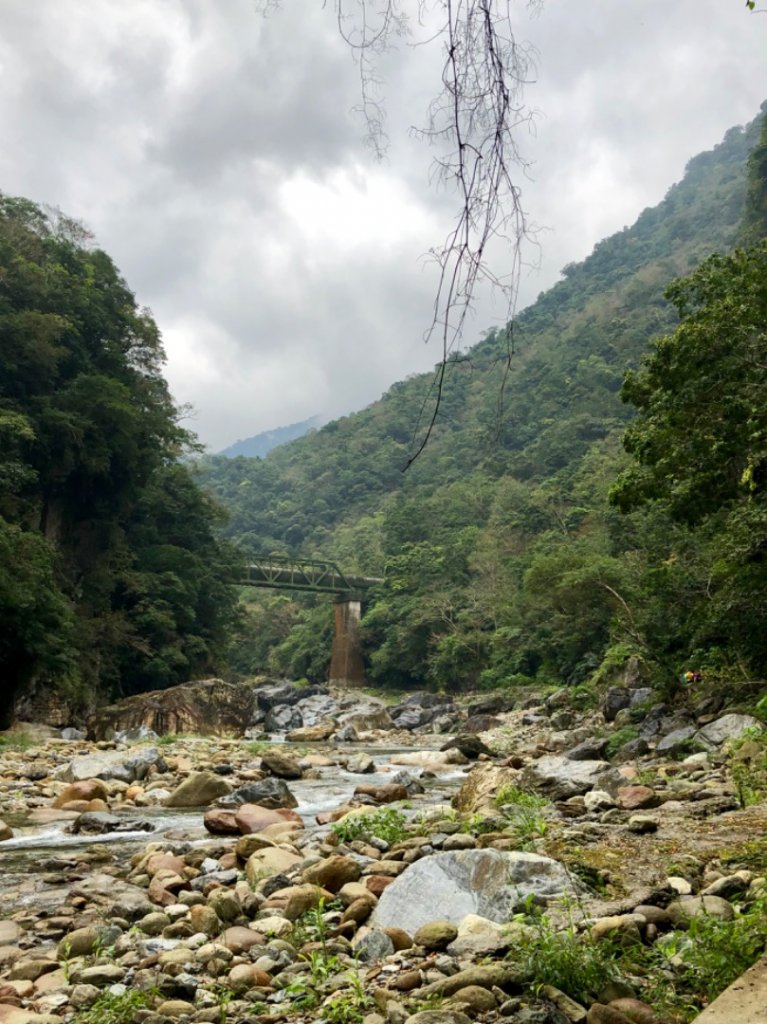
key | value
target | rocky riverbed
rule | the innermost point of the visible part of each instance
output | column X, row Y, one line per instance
column 429, row 863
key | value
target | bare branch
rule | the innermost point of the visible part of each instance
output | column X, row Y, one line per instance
column 473, row 122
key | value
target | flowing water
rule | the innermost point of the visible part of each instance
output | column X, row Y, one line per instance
column 45, row 856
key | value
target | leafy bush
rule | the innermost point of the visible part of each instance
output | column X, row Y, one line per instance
column 619, row 737
column 575, row 964
column 115, row 1009
column 519, row 798
column 386, row 824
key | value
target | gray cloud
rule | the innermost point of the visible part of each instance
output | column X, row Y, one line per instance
column 217, row 157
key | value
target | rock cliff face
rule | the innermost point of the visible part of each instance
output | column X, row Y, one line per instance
column 208, row 707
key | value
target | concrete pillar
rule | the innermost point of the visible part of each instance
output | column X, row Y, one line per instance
column 346, row 667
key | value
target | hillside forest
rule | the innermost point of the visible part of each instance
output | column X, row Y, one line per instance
column 595, row 486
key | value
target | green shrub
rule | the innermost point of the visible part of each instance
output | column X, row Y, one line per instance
column 519, row 798
column 619, row 737
column 386, row 823
column 575, row 964
column 115, row 1009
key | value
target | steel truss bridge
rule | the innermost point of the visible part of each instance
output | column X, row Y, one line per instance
column 304, row 574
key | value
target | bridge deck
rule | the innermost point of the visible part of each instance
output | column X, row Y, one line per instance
column 304, row 574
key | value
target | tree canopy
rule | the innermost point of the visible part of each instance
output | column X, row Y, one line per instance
column 102, row 532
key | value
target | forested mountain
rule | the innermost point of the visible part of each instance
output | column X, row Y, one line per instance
column 503, row 557
column 111, row 578
column 258, row 445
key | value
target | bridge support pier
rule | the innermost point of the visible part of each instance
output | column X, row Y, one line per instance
column 346, row 665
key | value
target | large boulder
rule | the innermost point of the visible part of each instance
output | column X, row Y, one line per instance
column 367, row 714
column 112, row 764
column 207, row 707
column 728, row 727
column 489, row 883
column 560, row 778
column 283, row 718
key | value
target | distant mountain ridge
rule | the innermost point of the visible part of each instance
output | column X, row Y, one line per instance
column 259, row 445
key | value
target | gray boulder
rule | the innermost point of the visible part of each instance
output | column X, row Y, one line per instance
column 560, row 778
column 728, row 727
column 138, row 734
column 489, row 883
column 675, row 740
column 112, row 764
column 616, row 699
column 270, row 792
column 283, row 718
column 589, row 750
column 98, row 823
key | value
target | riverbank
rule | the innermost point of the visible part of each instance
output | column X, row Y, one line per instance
column 541, row 870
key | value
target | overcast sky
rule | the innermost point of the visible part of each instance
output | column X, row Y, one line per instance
column 217, row 157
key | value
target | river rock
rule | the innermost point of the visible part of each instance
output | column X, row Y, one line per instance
column 88, row 789
column 616, row 699
column 469, row 745
column 115, row 897
column 269, row 792
column 436, row 935
column 312, row 733
column 199, row 790
column 383, row 794
column 6, row 832
column 333, row 873
column 264, row 863
column 96, row 823
column 367, row 715
column 208, row 707
column 728, row 727
column 591, row 749
column 112, row 764
column 221, row 822
column 282, row 765
column 675, row 740
column 682, row 912
column 478, row 936
column 283, row 718
column 560, row 778
column 481, row 786
column 489, row 883
column 443, row 1016
column 255, row 818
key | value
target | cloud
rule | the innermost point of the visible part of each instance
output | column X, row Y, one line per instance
column 218, row 158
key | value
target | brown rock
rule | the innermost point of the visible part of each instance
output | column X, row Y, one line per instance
column 220, row 822
column 601, row 1014
column 295, row 900
column 89, row 789
column 333, row 872
column 400, row 938
column 198, row 790
column 255, row 818
column 406, row 981
column 204, row 919
column 635, row 1010
column 382, row 794
column 245, row 976
column 165, row 886
column 360, row 909
column 328, row 817
column 312, row 733
column 270, row 861
column 208, row 707
column 282, row 765
column 377, row 883
column 634, row 798
column 240, row 940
